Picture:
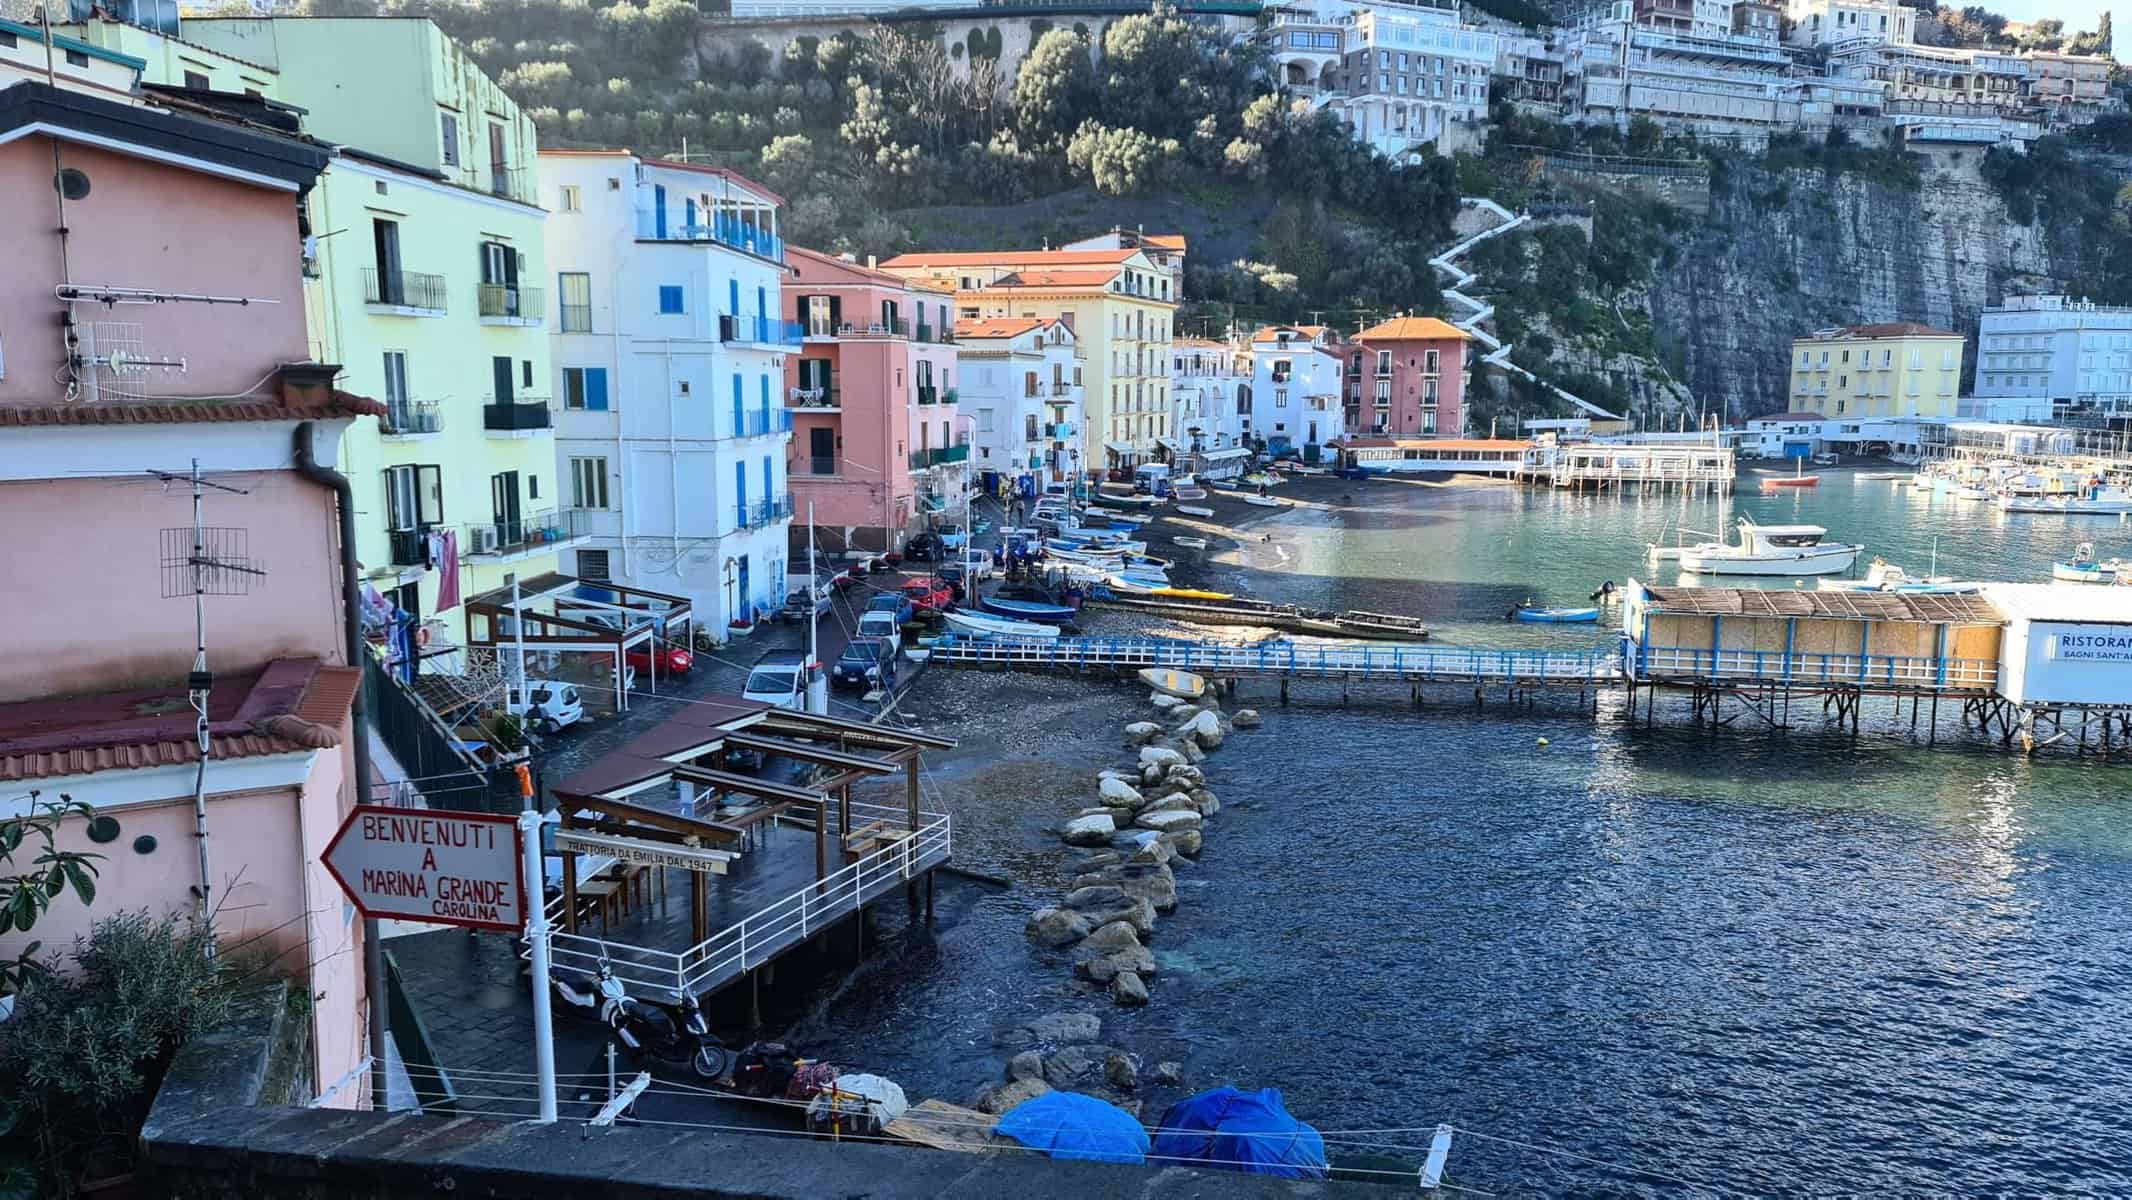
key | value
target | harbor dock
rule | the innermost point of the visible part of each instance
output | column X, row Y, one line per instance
column 1261, row 615
column 1629, row 466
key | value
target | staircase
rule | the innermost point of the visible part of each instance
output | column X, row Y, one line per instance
column 1479, row 311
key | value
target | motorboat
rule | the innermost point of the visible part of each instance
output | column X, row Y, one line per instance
column 983, row 626
column 1536, row 615
column 1266, row 502
column 1972, row 491
column 1882, row 475
column 1129, row 503
column 2085, row 568
column 1190, row 543
column 1027, row 610
column 1884, row 576
column 2096, row 502
column 1772, row 550
column 1193, row 511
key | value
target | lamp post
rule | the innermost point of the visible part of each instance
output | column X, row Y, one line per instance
column 732, row 600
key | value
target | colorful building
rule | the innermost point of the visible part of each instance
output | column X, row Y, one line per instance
column 672, row 434
column 1295, row 386
column 1121, row 306
column 1407, row 378
column 124, row 353
column 1210, row 397
column 1895, row 369
column 1021, row 388
column 876, row 435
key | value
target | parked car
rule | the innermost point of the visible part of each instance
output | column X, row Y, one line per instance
column 547, row 705
column 844, row 581
column 672, row 658
column 954, row 537
column 779, row 678
column 877, row 623
column 896, row 604
column 866, row 662
column 802, row 602
column 929, row 595
column 926, row 547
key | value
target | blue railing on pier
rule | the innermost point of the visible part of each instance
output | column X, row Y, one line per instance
column 1663, row 664
column 1331, row 660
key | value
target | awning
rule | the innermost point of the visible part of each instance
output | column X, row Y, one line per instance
column 1225, row 453
column 1120, row 448
column 1175, row 446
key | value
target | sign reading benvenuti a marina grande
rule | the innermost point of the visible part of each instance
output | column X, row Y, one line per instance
column 446, row 868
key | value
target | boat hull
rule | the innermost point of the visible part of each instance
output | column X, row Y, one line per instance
column 980, row 625
column 1819, row 560
column 2067, row 508
column 1182, row 684
column 1557, row 616
column 2076, row 573
column 1027, row 610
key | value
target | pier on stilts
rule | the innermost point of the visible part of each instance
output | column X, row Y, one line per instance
column 1626, row 467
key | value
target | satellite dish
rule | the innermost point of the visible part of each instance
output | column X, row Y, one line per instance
column 72, row 184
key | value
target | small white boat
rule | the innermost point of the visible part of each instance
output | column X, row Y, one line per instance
column 984, row 626
column 1191, row 511
column 1266, row 502
column 2098, row 502
column 1971, row 491
column 1882, row 475
column 1182, row 684
column 1772, row 550
column 2085, row 569
column 1190, row 543
column 1884, row 576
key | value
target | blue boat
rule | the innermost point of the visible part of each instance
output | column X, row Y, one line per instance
column 1027, row 610
column 1555, row 616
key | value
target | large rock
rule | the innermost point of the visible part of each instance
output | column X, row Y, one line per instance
column 1169, row 820
column 1137, row 911
column 1187, row 841
column 1092, row 830
column 1204, row 801
column 1118, row 794
column 1101, row 896
column 1127, row 989
column 1007, row 1096
column 1245, row 718
column 1184, row 773
column 1154, row 851
column 1111, row 938
column 1074, row 1065
column 1119, row 1069
column 1204, row 729
column 1140, row 733
column 1098, row 859
column 1102, row 968
column 1155, row 884
column 1164, row 701
column 1174, row 802
column 1160, row 756
column 1058, row 926
column 1026, row 1065
column 1167, row 1074
column 1062, row 1028
column 1150, row 775
column 1114, row 773
column 1191, row 751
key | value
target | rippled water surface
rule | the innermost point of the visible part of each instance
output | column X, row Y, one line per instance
column 1796, row 963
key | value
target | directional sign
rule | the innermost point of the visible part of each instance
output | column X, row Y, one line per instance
column 446, row 868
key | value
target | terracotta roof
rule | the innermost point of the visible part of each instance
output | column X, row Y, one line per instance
column 995, row 327
column 1272, row 333
column 1057, row 279
column 1402, row 329
column 1885, row 329
column 1044, row 258
column 184, row 412
column 1165, row 241
column 288, row 706
column 872, row 274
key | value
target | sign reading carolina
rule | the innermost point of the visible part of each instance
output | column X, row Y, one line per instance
column 446, row 868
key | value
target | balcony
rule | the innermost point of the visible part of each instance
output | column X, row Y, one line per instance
column 894, row 328
column 763, row 421
column 531, row 533
column 511, row 183
column 934, row 333
column 1062, row 389
column 928, row 395
column 822, row 399
column 1059, row 431
column 411, row 419
column 940, row 456
column 764, row 513
column 655, row 224
column 403, row 293
column 760, row 330
column 410, row 547
column 504, row 304
column 515, row 418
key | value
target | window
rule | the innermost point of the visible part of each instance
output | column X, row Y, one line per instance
column 593, row 564
column 984, row 420
column 1384, row 362
column 76, row 58
column 194, row 79
column 575, row 288
column 585, row 388
column 1429, row 362
column 525, row 373
column 449, row 123
column 670, row 298
column 588, row 483
column 414, row 497
column 572, row 200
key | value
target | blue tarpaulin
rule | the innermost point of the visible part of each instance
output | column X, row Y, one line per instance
column 1234, row 1130
column 1071, row 1125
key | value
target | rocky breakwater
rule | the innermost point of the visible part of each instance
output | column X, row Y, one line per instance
column 1148, row 817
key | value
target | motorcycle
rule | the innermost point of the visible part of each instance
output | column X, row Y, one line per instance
column 645, row 1028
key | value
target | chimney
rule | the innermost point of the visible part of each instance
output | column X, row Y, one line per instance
column 871, row 265
column 1066, row 319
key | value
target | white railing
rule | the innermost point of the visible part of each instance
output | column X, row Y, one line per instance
column 1341, row 660
column 764, row 933
column 1776, row 666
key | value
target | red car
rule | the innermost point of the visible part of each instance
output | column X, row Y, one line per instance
column 929, row 595
column 672, row 659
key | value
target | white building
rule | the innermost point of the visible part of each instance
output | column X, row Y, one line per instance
column 1840, row 22
column 1412, row 76
column 1021, row 389
column 1682, row 64
column 2049, row 357
column 671, row 425
column 1210, row 397
column 1295, row 386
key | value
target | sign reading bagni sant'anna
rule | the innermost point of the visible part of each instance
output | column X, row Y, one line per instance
column 642, row 852
column 2093, row 647
column 447, row 868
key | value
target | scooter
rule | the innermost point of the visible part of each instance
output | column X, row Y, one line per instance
column 643, row 1027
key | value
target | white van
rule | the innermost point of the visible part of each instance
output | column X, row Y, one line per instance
column 779, row 679
column 547, row 705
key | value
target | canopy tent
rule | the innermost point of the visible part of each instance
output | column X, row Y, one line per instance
column 1233, row 1130
column 1073, row 1126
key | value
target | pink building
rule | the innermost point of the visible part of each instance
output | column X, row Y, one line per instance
column 876, row 435
column 1406, row 378
column 162, row 211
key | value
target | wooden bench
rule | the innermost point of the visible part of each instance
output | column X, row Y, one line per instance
column 870, row 837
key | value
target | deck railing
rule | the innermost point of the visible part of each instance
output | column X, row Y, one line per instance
column 1664, row 663
column 1299, row 659
column 766, row 932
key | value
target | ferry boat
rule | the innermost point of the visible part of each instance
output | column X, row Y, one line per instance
column 2095, row 502
column 1772, row 550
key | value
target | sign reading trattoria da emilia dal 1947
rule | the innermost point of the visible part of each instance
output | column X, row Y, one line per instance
column 446, row 868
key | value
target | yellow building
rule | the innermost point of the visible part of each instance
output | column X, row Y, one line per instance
column 1897, row 369
column 1119, row 303
column 424, row 284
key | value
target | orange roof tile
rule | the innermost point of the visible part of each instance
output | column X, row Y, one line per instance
column 995, row 327
column 872, row 274
column 1411, row 329
column 978, row 258
column 1271, row 333
column 1057, row 279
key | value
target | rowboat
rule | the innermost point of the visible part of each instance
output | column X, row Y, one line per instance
column 1554, row 616
column 1174, row 593
column 1771, row 550
column 1797, row 479
column 2085, row 569
column 1190, row 543
column 1182, row 684
column 980, row 625
column 1265, row 502
column 1193, row 511
column 1027, row 610
column 1128, row 503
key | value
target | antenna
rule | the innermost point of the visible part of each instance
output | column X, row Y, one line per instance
column 203, row 561
column 112, row 364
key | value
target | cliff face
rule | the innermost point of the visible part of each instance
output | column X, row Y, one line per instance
column 1781, row 254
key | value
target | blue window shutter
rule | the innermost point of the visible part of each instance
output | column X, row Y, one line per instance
column 762, row 301
column 739, row 416
column 670, row 298
column 768, row 494
column 732, row 295
column 596, row 389
column 740, row 490
column 658, row 211
column 766, row 403
column 689, row 229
